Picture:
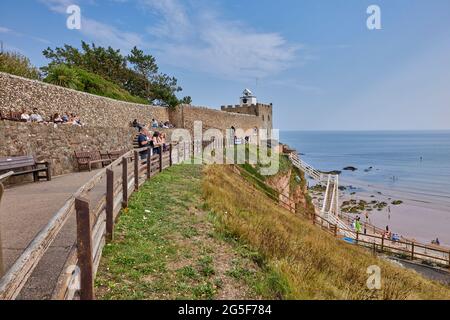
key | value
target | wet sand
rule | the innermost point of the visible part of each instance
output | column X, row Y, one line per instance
column 419, row 217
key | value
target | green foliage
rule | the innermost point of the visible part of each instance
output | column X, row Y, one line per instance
column 19, row 65
column 82, row 80
column 136, row 73
column 64, row 76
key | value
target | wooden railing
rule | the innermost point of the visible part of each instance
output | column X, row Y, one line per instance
column 95, row 221
column 407, row 249
column 3, row 177
column 376, row 241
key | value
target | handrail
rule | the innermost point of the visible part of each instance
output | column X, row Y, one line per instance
column 333, row 181
column 6, row 175
column 2, row 189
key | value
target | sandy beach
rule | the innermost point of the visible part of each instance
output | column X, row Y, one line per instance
column 422, row 218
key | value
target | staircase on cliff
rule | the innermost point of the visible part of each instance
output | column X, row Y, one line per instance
column 330, row 206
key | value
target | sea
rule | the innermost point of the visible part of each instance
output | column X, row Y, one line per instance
column 414, row 163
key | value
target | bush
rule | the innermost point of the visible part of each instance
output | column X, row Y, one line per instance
column 62, row 75
column 82, row 80
column 19, row 65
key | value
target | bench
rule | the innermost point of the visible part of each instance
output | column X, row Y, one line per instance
column 12, row 116
column 88, row 158
column 114, row 155
column 24, row 165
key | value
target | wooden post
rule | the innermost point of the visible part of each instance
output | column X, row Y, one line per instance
column 84, row 249
column 382, row 243
column 357, row 237
column 160, row 159
column 149, row 164
column 170, row 155
column 314, row 218
column 412, row 250
column 136, row 170
column 2, row 189
column 193, row 149
column 449, row 259
column 335, row 230
column 124, row 182
column 109, row 204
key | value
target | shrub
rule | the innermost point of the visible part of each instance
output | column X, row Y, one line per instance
column 62, row 75
column 19, row 65
column 82, row 80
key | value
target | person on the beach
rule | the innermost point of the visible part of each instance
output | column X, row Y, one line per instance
column 387, row 233
column 389, row 212
column 358, row 225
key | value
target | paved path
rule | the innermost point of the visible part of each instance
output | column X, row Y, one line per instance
column 24, row 211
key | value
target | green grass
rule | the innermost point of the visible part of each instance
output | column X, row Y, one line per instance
column 173, row 251
column 82, row 80
column 300, row 260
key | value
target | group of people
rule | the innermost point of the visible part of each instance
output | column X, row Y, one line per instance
column 156, row 141
column 66, row 118
column 154, row 124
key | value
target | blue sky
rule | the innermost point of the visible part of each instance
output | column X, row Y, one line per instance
column 315, row 60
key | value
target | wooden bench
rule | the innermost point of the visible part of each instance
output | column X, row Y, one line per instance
column 24, row 165
column 114, row 155
column 88, row 158
column 12, row 116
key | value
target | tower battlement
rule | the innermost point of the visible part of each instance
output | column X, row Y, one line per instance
column 249, row 105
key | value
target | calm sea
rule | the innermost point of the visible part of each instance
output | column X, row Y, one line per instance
column 419, row 161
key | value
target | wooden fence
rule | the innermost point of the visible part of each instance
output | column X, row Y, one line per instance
column 95, row 221
column 3, row 177
column 377, row 241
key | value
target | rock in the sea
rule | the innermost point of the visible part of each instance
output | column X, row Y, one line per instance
column 350, row 168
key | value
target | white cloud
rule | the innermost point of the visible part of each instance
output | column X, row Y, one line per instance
column 196, row 38
column 110, row 35
column 104, row 33
column 4, row 30
column 59, row 6
column 203, row 41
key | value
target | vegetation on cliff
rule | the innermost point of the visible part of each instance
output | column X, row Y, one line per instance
column 136, row 73
column 18, row 65
column 215, row 232
column 305, row 262
column 82, row 80
column 101, row 71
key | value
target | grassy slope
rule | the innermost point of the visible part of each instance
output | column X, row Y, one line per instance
column 212, row 235
column 173, row 251
column 305, row 263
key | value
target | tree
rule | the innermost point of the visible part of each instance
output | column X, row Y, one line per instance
column 143, row 64
column 186, row 100
column 163, row 89
column 19, row 65
column 136, row 73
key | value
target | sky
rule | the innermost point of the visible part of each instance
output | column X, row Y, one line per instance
column 315, row 60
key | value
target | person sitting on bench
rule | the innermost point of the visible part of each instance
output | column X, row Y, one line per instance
column 36, row 117
column 144, row 141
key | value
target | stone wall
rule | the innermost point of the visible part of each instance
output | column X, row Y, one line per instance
column 18, row 93
column 57, row 144
column 107, row 121
column 185, row 116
